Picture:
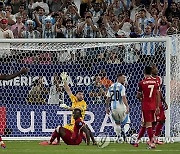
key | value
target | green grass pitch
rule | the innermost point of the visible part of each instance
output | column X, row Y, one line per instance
column 33, row 147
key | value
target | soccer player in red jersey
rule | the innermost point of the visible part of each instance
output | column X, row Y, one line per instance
column 149, row 95
column 71, row 137
column 160, row 118
column 9, row 77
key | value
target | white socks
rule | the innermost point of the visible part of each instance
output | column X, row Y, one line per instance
column 118, row 130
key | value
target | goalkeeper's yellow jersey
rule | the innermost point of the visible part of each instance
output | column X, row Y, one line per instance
column 76, row 104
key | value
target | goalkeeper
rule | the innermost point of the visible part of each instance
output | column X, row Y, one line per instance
column 77, row 101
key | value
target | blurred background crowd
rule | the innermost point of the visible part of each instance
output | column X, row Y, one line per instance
column 88, row 18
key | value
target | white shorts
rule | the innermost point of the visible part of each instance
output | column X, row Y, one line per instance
column 120, row 116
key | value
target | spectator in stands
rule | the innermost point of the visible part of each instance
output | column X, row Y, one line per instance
column 2, row 12
column 56, row 91
column 18, row 27
column 141, row 19
column 84, row 6
column 66, row 3
column 135, row 32
column 96, row 12
column 73, row 14
column 39, row 16
column 102, row 31
column 58, row 26
column 117, row 8
column 55, row 5
column 87, row 28
column 176, row 23
column 126, row 23
column 104, row 80
column 111, row 24
column 148, row 49
column 25, row 17
column 172, row 11
column 21, row 10
column 113, row 58
column 16, row 5
column 97, row 90
column 37, row 92
column 11, row 18
column 41, row 4
column 48, row 30
column 69, row 31
column 163, row 26
column 64, row 56
column 29, row 31
column 4, row 31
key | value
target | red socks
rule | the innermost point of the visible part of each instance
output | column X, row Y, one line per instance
column 158, row 129
column 150, row 133
column 141, row 132
column 55, row 135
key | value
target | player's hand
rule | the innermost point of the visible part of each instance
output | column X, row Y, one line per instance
column 64, row 106
column 64, row 76
column 107, row 110
column 157, row 111
column 24, row 70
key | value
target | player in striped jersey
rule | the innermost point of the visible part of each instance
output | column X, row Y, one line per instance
column 116, row 96
column 9, row 77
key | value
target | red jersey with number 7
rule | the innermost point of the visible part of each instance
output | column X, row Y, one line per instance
column 149, row 87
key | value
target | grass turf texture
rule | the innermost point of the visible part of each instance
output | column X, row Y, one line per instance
column 33, row 147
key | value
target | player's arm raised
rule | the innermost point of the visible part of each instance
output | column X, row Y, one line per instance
column 12, row 76
column 86, row 131
column 64, row 77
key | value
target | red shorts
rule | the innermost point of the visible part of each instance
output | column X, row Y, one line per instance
column 68, row 138
column 148, row 116
column 161, row 116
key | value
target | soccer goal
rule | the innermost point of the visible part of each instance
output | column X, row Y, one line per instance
column 29, row 105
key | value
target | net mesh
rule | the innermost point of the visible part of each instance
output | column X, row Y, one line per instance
column 175, row 86
column 30, row 104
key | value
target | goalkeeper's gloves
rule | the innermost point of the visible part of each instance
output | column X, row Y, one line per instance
column 64, row 106
column 64, row 76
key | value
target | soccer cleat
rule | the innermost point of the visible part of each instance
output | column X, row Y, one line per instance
column 136, row 145
column 2, row 144
column 158, row 142
column 44, row 143
column 151, row 145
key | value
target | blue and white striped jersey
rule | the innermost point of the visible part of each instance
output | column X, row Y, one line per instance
column 115, row 92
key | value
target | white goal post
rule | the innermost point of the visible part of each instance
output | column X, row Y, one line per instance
column 11, row 46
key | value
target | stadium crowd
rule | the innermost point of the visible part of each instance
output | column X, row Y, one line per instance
column 92, row 19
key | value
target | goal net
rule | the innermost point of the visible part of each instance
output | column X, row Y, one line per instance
column 29, row 105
